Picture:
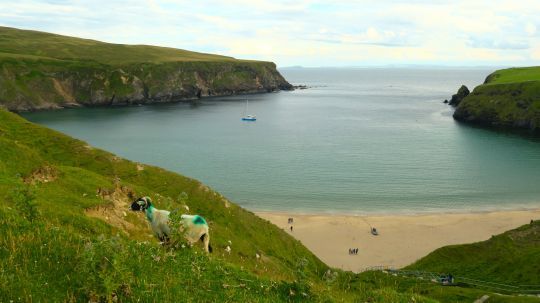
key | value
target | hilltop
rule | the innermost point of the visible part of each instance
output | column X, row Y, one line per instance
column 45, row 71
column 509, row 98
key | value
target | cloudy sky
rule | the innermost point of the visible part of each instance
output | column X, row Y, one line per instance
column 304, row 32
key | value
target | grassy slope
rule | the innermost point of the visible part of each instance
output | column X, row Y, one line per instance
column 433, row 291
column 512, row 75
column 35, row 44
column 508, row 98
column 512, row 258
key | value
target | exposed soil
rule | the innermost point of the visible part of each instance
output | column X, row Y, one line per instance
column 43, row 174
column 117, row 213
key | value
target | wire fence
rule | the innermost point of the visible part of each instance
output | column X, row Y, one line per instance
column 526, row 289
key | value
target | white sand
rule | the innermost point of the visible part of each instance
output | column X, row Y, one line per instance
column 402, row 239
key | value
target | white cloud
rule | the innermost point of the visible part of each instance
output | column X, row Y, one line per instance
column 303, row 32
column 530, row 29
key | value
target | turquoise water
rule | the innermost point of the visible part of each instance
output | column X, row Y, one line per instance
column 358, row 141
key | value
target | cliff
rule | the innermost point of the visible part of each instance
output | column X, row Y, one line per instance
column 509, row 98
column 46, row 71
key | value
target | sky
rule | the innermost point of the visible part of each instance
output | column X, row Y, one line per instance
column 304, row 32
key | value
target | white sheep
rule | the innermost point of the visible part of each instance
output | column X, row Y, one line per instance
column 194, row 227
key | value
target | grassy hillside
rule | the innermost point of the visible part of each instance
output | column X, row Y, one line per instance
column 35, row 44
column 66, row 235
column 509, row 98
column 41, row 71
column 509, row 258
column 512, row 75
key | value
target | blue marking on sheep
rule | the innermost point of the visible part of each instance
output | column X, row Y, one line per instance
column 198, row 220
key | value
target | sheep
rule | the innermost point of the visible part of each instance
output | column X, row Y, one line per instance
column 194, row 226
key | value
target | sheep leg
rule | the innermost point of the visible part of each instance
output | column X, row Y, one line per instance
column 205, row 238
column 164, row 238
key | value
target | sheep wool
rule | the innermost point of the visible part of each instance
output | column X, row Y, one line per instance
column 194, row 227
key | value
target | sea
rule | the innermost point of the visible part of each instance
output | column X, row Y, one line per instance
column 356, row 141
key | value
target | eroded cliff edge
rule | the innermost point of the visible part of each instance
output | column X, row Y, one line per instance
column 32, row 85
column 46, row 71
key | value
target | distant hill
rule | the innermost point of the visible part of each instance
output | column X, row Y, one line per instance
column 42, row 70
column 509, row 98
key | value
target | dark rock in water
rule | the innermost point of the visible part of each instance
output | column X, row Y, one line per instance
column 461, row 93
column 301, row 86
column 445, row 101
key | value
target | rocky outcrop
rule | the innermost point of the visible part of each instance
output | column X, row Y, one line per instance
column 27, row 84
column 462, row 92
column 508, row 105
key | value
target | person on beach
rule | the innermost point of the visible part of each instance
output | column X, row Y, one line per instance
column 291, row 228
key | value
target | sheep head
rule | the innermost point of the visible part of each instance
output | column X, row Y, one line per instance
column 141, row 204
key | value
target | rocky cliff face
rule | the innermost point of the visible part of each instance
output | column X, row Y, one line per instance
column 46, row 84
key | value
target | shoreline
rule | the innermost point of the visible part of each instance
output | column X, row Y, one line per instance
column 402, row 239
column 397, row 213
column 186, row 100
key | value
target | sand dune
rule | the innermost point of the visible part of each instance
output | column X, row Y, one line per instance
column 402, row 239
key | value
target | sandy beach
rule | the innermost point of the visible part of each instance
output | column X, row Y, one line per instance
column 402, row 239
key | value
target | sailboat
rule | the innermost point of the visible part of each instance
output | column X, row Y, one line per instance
column 246, row 117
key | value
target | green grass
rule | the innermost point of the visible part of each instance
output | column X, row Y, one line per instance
column 51, row 250
column 41, row 45
column 512, row 75
column 509, row 258
column 433, row 291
